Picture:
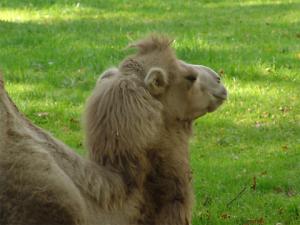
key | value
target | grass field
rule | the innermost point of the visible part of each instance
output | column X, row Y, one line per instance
column 246, row 156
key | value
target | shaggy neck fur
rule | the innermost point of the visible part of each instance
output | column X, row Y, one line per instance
column 122, row 120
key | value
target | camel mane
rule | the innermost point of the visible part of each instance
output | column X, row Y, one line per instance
column 153, row 43
column 121, row 121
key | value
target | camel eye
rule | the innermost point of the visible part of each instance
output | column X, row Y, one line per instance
column 191, row 78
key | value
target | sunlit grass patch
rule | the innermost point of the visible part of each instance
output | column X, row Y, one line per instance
column 45, row 15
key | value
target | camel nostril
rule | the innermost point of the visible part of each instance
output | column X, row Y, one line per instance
column 221, row 94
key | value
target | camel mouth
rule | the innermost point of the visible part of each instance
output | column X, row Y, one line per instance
column 214, row 106
column 221, row 97
column 219, row 100
column 221, row 94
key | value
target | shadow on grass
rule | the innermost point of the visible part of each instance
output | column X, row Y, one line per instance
column 134, row 5
column 96, row 45
column 69, row 54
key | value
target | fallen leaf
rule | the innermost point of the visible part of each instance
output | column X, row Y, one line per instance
column 66, row 129
column 280, row 211
column 207, row 201
column 221, row 72
column 284, row 109
column 72, row 120
column 268, row 69
column 291, row 193
column 256, row 221
column 42, row 114
column 205, row 214
column 285, row 147
column 264, row 173
column 225, row 216
column 253, row 187
column 258, row 124
column 265, row 115
column 278, row 190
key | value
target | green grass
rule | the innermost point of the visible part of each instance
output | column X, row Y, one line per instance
column 51, row 53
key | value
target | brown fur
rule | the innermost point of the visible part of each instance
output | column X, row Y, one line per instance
column 138, row 121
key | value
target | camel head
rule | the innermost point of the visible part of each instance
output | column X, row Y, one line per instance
column 133, row 106
column 149, row 91
column 186, row 91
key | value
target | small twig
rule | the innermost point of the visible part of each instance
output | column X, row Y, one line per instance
column 207, row 201
column 237, row 196
column 253, row 187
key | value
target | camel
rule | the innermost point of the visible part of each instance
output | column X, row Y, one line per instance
column 138, row 122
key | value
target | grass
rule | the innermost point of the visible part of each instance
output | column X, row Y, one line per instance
column 53, row 51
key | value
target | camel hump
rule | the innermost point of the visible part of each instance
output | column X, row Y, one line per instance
column 1, row 81
column 2, row 87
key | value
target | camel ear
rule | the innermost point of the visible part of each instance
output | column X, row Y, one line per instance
column 156, row 81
